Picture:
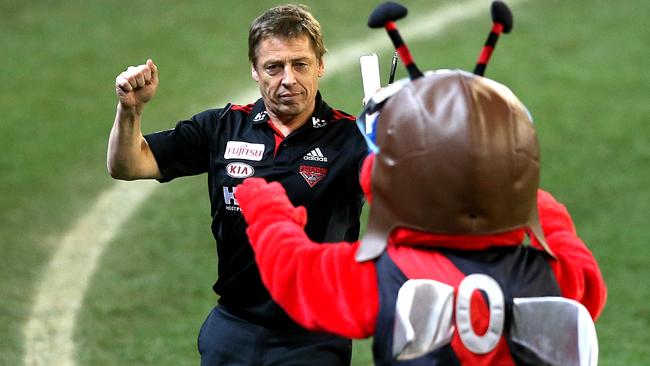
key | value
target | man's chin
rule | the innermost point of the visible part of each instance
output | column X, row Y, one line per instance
column 292, row 109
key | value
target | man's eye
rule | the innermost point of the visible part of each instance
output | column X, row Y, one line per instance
column 272, row 69
column 301, row 66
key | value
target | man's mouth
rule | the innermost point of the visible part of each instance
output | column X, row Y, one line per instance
column 289, row 96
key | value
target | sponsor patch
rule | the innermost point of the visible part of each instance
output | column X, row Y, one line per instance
column 229, row 199
column 315, row 155
column 312, row 174
column 239, row 170
column 318, row 123
column 243, row 150
column 260, row 116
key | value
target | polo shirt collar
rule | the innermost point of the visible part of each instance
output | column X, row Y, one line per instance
column 321, row 116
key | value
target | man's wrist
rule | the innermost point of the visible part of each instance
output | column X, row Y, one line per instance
column 127, row 111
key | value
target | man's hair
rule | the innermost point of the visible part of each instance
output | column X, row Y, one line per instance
column 285, row 21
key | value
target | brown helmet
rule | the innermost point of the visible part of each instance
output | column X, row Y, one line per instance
column 457, row 154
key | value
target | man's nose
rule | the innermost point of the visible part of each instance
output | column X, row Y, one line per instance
column 289, row 77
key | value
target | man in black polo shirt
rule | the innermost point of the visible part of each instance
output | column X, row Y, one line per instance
column 290, row 135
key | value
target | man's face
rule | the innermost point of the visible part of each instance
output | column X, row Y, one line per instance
column 287, row 73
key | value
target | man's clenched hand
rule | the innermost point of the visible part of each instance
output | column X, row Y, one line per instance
column 137, row 85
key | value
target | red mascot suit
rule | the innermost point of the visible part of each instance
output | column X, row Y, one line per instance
column 444, row 274
column 453, row 191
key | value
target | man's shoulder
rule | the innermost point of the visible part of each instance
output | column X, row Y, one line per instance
column 338, row 123
column 210, row 114
column 242, row 108
column 230, row 111
column 343, row 122
column 326, row 111
column 339, row 115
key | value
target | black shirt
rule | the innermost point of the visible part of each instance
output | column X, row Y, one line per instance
column 318, row 164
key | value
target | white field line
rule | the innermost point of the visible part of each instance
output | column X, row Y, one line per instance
column 49, row 331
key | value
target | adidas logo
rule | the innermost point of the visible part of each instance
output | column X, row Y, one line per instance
column 315, row 155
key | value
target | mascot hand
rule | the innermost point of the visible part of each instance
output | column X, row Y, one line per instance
column 260, row 200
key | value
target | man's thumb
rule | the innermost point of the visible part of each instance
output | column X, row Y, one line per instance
column 154, row 69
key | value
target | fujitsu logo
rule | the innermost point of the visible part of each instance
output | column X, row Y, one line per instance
column 243, row 150
column 315, row 155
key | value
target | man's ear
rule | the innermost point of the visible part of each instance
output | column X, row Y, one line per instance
column 254, row 74
column 321, row 67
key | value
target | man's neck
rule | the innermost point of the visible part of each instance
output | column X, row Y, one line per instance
column 288, row 124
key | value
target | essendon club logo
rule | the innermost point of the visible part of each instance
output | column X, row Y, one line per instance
column 312, row 174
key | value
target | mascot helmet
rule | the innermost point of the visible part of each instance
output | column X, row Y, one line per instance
column 456, row 153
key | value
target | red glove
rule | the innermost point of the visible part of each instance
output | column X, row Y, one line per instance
column 260, row 200
column 321, row 287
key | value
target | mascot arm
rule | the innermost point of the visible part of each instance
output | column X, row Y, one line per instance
column 576, row 268
column 321, row 287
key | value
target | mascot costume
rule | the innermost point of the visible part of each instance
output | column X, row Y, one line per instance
column 465, row 261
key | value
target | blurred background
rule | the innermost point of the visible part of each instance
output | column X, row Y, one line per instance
column 580, row 66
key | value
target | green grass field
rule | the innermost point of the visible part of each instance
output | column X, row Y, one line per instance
column 580, row 66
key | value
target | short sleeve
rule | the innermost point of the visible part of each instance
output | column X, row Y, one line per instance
column 185, row 149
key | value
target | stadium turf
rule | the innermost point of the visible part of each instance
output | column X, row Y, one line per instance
column 580, row 67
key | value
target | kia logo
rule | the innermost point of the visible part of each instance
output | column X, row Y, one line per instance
column 239, row 170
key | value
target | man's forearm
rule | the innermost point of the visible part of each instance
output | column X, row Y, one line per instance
column 129, row 156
